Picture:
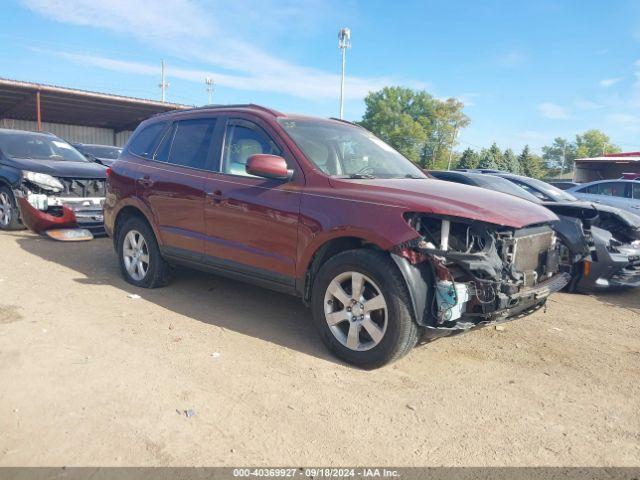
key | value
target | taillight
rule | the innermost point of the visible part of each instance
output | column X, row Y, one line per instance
column 108, row 172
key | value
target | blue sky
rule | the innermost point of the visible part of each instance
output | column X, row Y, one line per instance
column 527, row 71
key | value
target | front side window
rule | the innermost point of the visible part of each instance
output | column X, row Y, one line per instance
column 636, row 191
column 244, row 139
column 38, row 147
column 190, row 145
column 144, row 143
column 347, row 151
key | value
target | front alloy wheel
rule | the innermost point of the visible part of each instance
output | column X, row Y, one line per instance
column 361, row 308
column 355, row 311
column 6, row 209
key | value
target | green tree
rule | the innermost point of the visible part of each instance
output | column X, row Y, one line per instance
column 495, row 157
column 415, row 123
column 559, row 156
column 594, row 143
column 530, row 164
column 487, row 159
column 469, row 159
column 511, row 161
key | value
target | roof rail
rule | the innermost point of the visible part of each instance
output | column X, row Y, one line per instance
column 222, row 107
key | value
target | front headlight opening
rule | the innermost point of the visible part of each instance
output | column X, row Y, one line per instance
column 43, row 180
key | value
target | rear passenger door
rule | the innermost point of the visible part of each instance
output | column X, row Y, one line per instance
column 173, row 185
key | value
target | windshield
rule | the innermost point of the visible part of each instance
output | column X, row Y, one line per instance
column 348, row 151
column 38, row 146
column 101, row 151
column 543, row 190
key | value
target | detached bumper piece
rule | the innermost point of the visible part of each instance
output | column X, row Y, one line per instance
column 58, row 222
column 40, row 212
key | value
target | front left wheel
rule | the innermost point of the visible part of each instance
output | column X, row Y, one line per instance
column 9, row 211
column 361, row 308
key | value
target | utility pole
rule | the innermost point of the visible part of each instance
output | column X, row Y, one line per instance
column 344, row 42
column 453, row 141
column 163, row 84
column 564, row 156
column 209, row 82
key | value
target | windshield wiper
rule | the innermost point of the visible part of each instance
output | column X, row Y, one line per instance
column 358, row 175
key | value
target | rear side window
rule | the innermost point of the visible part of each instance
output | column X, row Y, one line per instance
column 191, row 143
column 636, row 191
column 614, row 189
column 144, row 143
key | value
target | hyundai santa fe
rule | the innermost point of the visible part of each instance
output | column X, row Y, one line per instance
column 323, row 209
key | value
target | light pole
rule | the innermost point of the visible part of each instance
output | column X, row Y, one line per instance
column 163, row 84
column 209, row 82
column 344, row 42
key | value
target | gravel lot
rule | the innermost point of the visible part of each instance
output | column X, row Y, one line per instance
column 90, row 376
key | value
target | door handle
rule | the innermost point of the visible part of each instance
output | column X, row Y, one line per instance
column 214, row 198
column 145, row 181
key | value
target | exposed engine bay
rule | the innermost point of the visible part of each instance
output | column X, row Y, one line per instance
column 481, row 272
column 47, row 202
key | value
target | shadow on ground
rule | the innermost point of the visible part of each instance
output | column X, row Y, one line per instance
column 628, row 298
column 270, row 316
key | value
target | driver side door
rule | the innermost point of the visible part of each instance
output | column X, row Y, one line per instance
column 251, row 223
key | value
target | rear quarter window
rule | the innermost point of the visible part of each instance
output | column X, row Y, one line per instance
column 144, row 142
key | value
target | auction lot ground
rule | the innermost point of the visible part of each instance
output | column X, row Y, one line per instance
column 90, row 376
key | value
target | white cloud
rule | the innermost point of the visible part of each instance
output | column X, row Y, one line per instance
column 213, row 36
column 608, row 82
column 551, row 110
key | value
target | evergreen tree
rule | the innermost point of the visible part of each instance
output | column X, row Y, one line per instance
column 469, row 159
column 487, row 160
column 511, row 161
column 530, row 164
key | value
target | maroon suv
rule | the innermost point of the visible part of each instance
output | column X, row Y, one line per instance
column 324, row 210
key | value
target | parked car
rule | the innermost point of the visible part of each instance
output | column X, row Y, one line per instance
column 45, row 183
column 104, row 154
column 601, row 244
column 562, row 185
column 324, row 210
column 623, row 194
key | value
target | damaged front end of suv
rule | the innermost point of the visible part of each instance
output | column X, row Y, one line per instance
column 47, row 202
column 464, row 273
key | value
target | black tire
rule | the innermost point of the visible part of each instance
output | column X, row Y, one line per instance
column 401, row 333
column 14, row 222
column 158, row 273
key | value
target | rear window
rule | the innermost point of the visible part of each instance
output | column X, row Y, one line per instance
column 144, row 142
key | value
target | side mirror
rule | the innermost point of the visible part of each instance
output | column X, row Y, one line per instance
column 268, row 166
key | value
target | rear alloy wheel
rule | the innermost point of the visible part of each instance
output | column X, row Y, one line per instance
column 135, row 254
column 140, row 260
column 361, row 308
column 8, row 211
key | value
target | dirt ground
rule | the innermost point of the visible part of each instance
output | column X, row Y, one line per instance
column 90, row 376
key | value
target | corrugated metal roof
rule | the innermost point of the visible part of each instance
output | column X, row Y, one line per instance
column 77, row 107
column 609, row 159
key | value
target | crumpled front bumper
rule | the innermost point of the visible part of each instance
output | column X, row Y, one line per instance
column 612, row 269
column 60, row 212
